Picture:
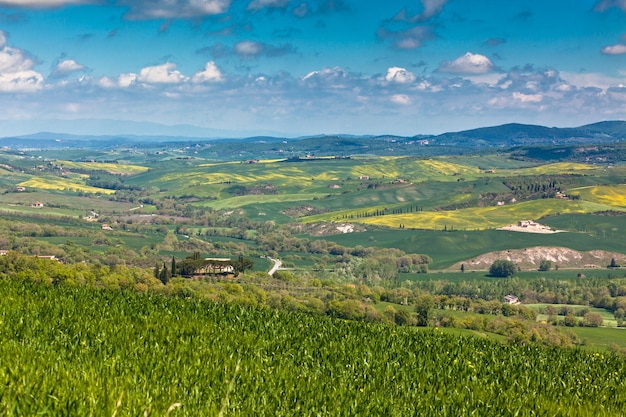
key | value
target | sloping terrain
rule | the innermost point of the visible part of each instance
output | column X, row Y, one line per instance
column 529, row 258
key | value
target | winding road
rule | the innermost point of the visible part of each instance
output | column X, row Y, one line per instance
column 277, row 265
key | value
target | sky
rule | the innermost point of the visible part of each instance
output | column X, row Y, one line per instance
column 304, row 67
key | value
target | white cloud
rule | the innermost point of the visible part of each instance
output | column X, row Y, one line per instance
column 399, row 75
column 67, row 66
column 41, row 4
column 527, row 98
column 160, row 74
column 211, row 73
column 401, row 99
column 584, row 80
column 468, row 64
column 618, row 49
column 16, row 73
column 327, row 73
column 126, row 80
column 14, row 60
column 21, row 81
column 174, row 9
column 248, row 48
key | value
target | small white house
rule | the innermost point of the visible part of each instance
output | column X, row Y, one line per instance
column 511, row 299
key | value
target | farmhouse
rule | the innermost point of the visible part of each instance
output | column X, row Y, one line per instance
column 37, row 204
column 511, row 299
column 527, row 223
column 221, row 265
column 105, row 226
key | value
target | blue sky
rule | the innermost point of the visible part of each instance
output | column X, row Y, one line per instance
column 299, row 67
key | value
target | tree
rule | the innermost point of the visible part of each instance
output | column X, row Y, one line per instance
column 592, row 319
column 173, row 270
column 462, row 267
column 241, row 264
column 423, row 307
column 502, row 268
column 613, row 264
column 545, row 265
column 165, row 275
column 402, row 317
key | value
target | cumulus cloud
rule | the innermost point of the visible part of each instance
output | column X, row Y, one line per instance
column 16, row 73
column 617, row 49
column 122, row 81
column 126, row 80
column 65, row 67
column 173, row 9
column 335, row 78
column 211, row 73
column 468, row 64
column 20, row 82
column 401, row 99
column 399, row 75
column 160, row 74
column 604, row 5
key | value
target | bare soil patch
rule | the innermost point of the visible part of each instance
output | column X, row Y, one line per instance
column 529, row 258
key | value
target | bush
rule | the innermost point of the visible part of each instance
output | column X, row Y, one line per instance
column 545, row 265
column 502, row 268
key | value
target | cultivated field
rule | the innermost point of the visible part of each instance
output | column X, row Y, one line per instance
column 80, row 351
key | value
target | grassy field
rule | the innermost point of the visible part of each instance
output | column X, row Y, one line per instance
column 46, row 183
column 613, row 195
column 608, row 319
column 475, row 218
column 446, row 248
column 78, row 351
column 602, row 336
column 111, row 168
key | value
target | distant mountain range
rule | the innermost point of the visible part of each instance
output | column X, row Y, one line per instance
column 508, row 135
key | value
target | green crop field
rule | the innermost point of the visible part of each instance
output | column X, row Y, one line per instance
column 447, row 248
column 80, row 351
column 601, row 336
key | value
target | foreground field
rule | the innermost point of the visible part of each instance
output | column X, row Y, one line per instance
column 81, row 351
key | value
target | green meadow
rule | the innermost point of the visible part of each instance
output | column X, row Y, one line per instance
column 84, row 351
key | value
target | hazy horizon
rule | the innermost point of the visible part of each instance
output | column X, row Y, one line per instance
column 306, row 67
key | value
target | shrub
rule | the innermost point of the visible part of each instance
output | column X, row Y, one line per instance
column 502, row 268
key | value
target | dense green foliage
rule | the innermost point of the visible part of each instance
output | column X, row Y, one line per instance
column 502, row 268
column 82, row 351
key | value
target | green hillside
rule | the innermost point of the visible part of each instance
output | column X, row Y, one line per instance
column 82, row 351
